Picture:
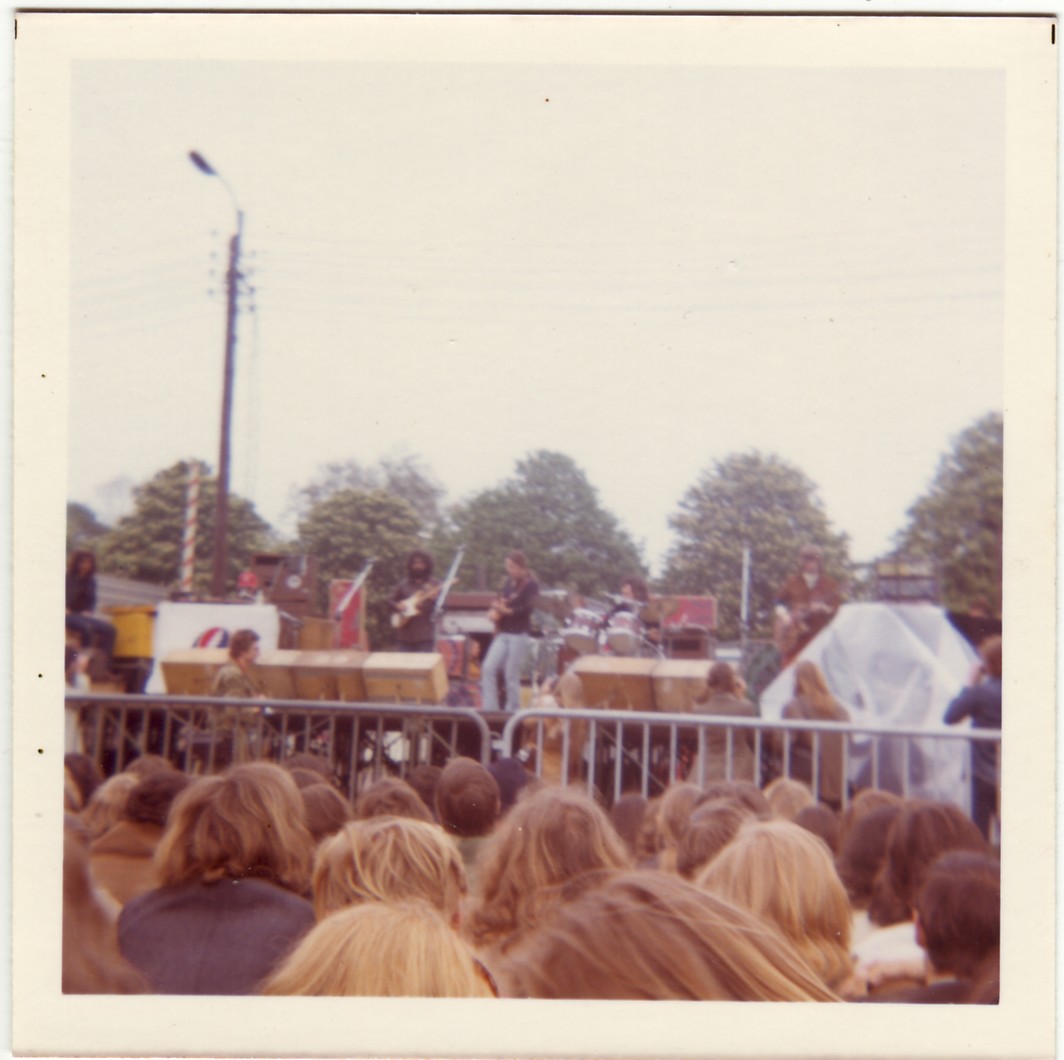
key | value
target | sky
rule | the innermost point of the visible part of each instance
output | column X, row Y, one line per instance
column 646, row 267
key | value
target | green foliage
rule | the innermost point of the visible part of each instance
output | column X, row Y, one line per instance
column 146, row 544
column 347, row 528
column 549, row 511
column 762, row 502
column 83, row 528
column 403, row 477
column 957, row 523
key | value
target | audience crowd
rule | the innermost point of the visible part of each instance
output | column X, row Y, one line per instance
column 490, row 882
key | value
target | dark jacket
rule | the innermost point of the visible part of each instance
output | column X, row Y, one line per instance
column 81, row 593
column 212, row 938
column 520, row 600
column 983, row 705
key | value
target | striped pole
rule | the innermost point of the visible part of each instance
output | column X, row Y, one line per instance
column 188, row 539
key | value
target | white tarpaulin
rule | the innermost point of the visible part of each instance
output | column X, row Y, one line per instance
column 892, row 664
column 181, row 625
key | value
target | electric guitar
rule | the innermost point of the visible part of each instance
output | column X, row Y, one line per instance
column 409, row 607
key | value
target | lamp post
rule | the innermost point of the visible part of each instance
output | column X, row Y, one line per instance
column 220, row 556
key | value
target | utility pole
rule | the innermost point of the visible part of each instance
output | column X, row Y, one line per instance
column 220, row 550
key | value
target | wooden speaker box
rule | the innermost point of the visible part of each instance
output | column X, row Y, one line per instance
column 350, row 681
column 274, row 673
column 320, row 675
column 677, row 682
column 405, row 677
column 316, row 634
column 191, row 671
column 616, row 683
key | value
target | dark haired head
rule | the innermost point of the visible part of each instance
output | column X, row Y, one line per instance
column 638, row 586
column 241, row 641
column 518, row 557
column 419, row 557
column 79, row 557
column 863, row 851
column 721, row 679
column 327, row 810
column 990, row 653
column 391, row 798
column 822, row 821
column 304, row 760
column 467, row 798
column 149, row 802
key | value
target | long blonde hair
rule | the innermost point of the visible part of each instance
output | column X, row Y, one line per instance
column 388, row 859
column 378, row 949
column 786, row 875
column 249, row 821
column 809, row 683
column 649, row 935
column 554, row 837
column 107, row 804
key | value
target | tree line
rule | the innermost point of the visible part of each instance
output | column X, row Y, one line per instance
column 547, row 507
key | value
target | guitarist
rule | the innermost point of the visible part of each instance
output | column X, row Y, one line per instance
column 512, row 614
column 805, row 604
column 412, row 604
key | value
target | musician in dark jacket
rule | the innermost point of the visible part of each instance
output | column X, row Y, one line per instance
column 81, row 602
column 512, row 612
column 412, row 604
column 805, row 604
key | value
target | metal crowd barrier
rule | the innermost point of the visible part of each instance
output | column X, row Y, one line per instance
column 628, row 751
column 201, row 734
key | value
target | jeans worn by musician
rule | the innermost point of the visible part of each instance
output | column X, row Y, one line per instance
column 507, row 654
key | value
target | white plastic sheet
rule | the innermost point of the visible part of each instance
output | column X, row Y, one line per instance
column 892, row 665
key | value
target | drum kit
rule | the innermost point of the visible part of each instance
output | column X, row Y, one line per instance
column 615, row 629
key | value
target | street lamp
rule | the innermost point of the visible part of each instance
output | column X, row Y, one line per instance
column 232, row 278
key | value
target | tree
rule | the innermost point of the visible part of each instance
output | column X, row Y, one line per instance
column 753, row 500
column 957, row 523
column 403, row 476
column 347, row 528
column 550, row 511
column 146, row 544
column 83, row 528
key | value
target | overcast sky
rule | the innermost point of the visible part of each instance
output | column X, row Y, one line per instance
column 644, row 267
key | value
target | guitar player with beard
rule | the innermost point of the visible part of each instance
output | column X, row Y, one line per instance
column 412, row 604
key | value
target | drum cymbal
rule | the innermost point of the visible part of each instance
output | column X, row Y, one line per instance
column 554, row 602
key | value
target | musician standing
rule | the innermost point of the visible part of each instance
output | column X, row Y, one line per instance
column 412, row 604
column 805, row 605
column 512, row 612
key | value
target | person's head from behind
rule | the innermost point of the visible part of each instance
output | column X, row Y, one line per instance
column 467, row 798
column 862, row 852
column 248, row 821
column 990, row 654
column 391, row 797
column 787, row 797
column 92, row 963
column 327, row 811
column 711, row 827
column 921, row 832
column 382, row 950
column 424, row 779
column 676, row 806
column 108, row 804
column 744, row 791
column 721, row 680
column 648, row 935
column 314, row 763
column 150, row 801
column 388, row 859
column 786, row 875
column 142, row 765
column 551, row 838
column 244, row 647
column 810, row 684
column 958, row 913
column 864, row 802
column 823, row 822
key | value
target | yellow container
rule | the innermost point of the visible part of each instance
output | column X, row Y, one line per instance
column 133, row 630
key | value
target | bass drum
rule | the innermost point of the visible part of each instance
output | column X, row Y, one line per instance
column 581, row 634
column 624, row 634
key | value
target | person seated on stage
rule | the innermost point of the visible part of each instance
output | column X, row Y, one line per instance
column 805, row 604
column 91, row 630
column 635, row 599
column 412, row 604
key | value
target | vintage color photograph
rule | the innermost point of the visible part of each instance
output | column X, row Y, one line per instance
column 535, row 529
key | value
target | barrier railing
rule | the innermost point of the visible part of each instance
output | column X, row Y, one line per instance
column 627, row 751
column 202, row 733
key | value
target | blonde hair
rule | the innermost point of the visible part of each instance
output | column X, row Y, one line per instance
column 107, row 805
column 247, row 822
column 648, row 935
column 381, row 950
column 786, row 875
column 676, row 806
column 554, row 837
column 809, row 683
column 388, row 859
column 788, row 797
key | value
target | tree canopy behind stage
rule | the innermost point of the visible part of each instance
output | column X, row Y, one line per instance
column 957, row 522
column 146, row 544
column 550, row 511
column 349, row 527
column 761, row 502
